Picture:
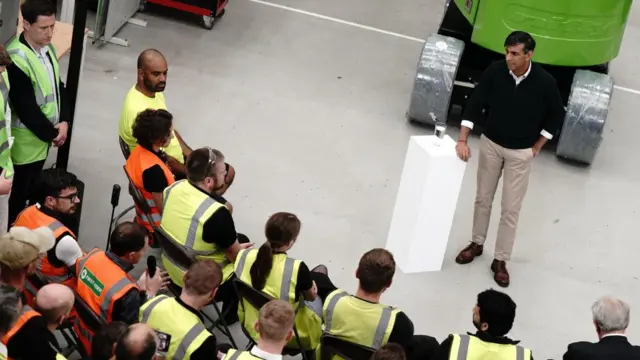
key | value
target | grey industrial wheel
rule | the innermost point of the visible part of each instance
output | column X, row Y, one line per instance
column 587, row 111
column 207, row 22
column 435, row 78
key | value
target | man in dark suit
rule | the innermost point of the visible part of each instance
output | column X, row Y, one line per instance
column 611, row 319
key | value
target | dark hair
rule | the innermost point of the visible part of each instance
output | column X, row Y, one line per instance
column 521, row 37
column 5, row 59
column 127, row 237
column 144, row 55
column 31, row 9
column 202, row 277
column 9, row 300
column 497, row 310
column 389, row 351
column 51, row 182
column 280, row 230
column 376, row 270
column 126, row 351
column 103, row 341
column 200, row 163
column 152, row 126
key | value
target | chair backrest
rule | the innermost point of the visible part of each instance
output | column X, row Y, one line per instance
column 256, row 298
column 331, row 346
column 124, row 148
column 180, row 255
column 138, row 199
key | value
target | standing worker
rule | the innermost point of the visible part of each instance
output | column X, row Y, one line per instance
column 525, row 110
column 6, row 166
column 39, row 107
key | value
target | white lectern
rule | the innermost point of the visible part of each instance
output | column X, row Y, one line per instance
column 425, row 205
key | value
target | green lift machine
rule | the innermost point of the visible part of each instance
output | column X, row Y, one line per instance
column 576, row 40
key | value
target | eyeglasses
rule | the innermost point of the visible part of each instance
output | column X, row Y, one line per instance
column 70, row 197
column 212, row 160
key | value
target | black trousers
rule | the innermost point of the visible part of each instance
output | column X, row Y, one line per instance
column 421, row 347
column 24, row 178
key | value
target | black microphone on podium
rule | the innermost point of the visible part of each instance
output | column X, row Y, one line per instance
column 152, row 266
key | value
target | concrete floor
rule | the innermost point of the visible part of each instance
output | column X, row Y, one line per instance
column 311, row 114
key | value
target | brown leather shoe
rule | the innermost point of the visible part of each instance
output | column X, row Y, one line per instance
column 469, row 253
column 500, row 273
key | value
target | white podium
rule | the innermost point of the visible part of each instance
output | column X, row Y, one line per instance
column 425, row 205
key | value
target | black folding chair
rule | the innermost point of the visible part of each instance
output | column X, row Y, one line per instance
column 124, row 148
column 258, row 299
column 183, row 257
column 140, row 202
column 331, row 346
column 92, row 320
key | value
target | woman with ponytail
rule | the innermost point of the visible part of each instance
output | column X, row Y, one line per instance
column 270, row 270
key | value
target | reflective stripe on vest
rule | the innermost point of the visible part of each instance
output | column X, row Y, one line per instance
column 234, row 354
column 25, row 315
column 381, row 329
column 467, row 347
column 182, row 351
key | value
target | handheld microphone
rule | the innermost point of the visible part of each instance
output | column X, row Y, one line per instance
column 115, row 195
column 151, row 266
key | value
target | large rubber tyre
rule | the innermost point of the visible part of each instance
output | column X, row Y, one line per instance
column 435, row 78
column 207, row 22
column 587, row 111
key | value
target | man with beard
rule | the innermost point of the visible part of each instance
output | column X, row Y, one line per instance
column 57, row 195
column 196, row 217
column 493, row 317
column 147, row 93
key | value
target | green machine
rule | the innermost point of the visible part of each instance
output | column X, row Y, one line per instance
column 575, row 41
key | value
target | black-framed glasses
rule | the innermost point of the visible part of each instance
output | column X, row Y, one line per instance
column 211, row 161
column 70, row 197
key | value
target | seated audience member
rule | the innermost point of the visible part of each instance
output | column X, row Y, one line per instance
column 105, row 285
column 611, row 319
column 274, row 328
column 270, row 270
column 493, row 318
column 104, row 342
column 147, row 93
column 57, row 196
column 361, row 319
column 146, row 166
column 389, row 351
column 20, row 250
column 139, row 342
column 199, row 219
column 10, row 309
column 179, row 319
column 32, row 338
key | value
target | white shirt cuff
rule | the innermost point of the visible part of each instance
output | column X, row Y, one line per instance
column 546, row 134
column 467, row 123
column 68, row 250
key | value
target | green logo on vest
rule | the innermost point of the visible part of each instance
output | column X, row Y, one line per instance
column 92, row 282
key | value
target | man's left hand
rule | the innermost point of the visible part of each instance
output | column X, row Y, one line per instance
column 62, row 128
column 535, row 151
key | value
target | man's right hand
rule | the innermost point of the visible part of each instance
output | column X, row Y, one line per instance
column 5, row 184
column 463, row 151
column 158, row 282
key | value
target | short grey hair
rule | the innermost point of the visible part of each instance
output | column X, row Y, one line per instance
column 9, row 303
column 611, row 314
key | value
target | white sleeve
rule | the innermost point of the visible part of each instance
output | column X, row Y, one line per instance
column 68, row 250
column 467, row 123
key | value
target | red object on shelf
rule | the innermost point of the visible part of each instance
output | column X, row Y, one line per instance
column 196, row 10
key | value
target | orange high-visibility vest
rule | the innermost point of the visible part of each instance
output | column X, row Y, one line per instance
column 33, row 218
column 140, row 160
column 101, row 283
column 27, row 314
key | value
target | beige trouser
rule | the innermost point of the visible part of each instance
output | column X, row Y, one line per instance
column 516, row 165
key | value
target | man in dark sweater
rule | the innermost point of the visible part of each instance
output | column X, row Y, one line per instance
column 524, row 111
